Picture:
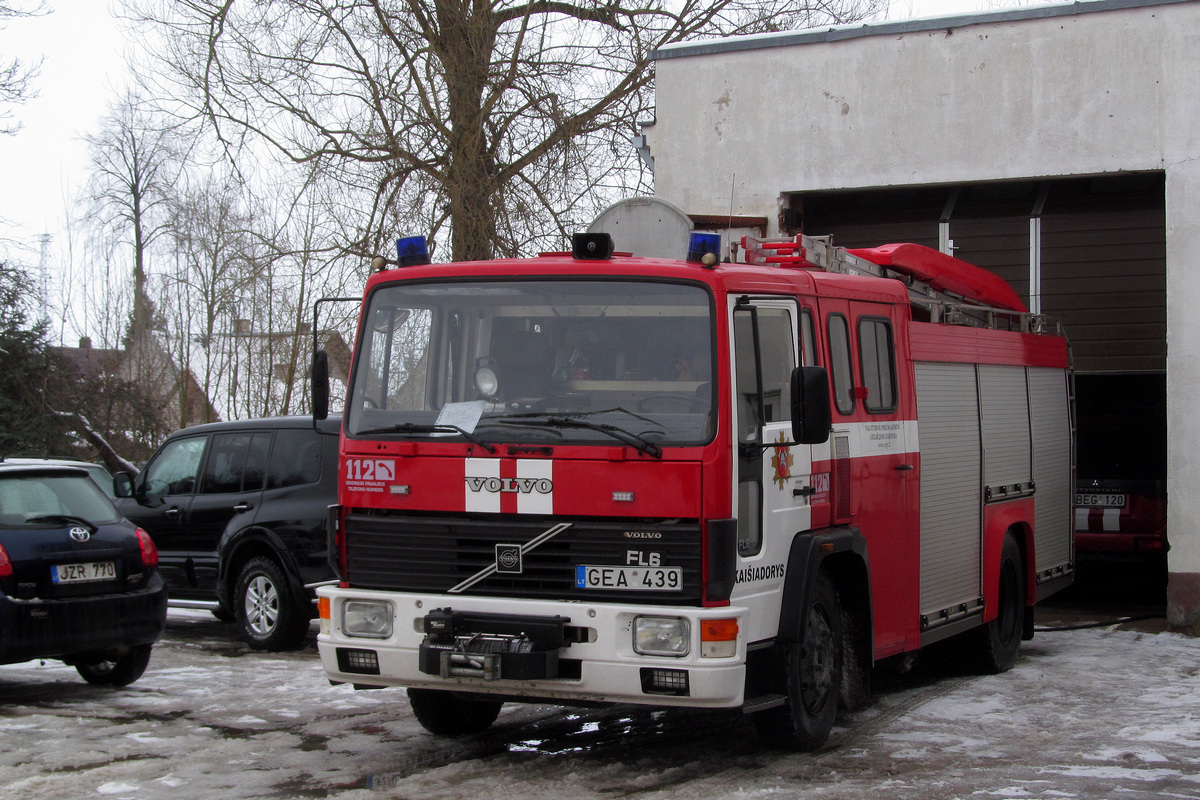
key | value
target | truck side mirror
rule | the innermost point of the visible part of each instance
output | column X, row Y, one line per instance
column 320, row 384
column 811, row 421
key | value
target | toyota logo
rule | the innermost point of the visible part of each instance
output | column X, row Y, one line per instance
column 80, row 534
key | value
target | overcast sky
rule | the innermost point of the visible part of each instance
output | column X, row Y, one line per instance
column 83, row 71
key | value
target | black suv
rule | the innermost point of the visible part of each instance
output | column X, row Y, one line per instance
column 77, row 582
column 238, row 511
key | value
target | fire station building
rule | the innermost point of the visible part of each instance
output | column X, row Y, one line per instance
column 1058, row 146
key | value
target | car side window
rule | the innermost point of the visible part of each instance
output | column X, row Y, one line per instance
column 256, row 462
column 295, row 459
column 173, row 470
column 226, row 462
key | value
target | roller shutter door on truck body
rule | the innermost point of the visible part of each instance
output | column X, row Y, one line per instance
column 977, row 437
column 951, row 478
column 1004, row 404
column 1052, row 473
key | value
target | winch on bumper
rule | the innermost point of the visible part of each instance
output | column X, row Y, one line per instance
column 465, row 644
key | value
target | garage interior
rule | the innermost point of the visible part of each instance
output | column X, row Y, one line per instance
column 1088, row 251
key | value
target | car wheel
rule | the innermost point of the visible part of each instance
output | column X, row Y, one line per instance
column 446, row 714
column 269, row 614
column 121, row 672
column 813, row 670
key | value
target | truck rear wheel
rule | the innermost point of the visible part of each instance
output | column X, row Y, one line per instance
column 447, row 714
column 998, row 642
column 813, row 674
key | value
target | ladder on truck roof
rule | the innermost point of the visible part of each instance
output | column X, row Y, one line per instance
column 953, row 291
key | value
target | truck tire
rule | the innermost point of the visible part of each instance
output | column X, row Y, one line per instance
column 269, row 614
column 813, row 673
column 446, row 714
column 123, row 671
column 998, row 642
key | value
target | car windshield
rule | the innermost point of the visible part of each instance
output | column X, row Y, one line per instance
column 40, row 498
column 547, row 361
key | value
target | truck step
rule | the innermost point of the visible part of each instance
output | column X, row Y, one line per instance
column 762, row 702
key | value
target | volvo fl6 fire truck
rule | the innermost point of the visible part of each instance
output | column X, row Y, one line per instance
column 590, row 477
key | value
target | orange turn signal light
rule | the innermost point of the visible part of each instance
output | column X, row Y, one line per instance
column 323, row 607
column 718, row 630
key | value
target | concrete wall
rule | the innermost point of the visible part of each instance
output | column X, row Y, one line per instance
column 1085, row 89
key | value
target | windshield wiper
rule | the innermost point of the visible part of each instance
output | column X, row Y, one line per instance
column 634, row 440
column 413, row 427
column 63, row 518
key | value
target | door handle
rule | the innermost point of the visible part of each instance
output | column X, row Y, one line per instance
column 904, row 467
column 804, row 491
column 173, row 511
column 243, row 507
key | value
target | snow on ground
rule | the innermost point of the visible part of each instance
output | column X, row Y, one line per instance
column 1099, row 713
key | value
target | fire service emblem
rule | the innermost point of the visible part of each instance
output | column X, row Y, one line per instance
column 782, row 462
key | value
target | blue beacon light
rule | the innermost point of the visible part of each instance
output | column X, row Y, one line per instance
column 704, row 248
column 412, row 251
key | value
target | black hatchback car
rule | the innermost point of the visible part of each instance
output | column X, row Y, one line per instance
column 78, row 583
column 238, row 511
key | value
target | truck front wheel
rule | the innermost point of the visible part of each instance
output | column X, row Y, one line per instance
column 446, row 714
column 813, row 670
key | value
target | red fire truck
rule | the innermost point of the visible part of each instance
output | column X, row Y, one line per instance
column 591, row 477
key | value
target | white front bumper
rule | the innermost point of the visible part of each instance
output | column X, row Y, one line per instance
column 610, row 670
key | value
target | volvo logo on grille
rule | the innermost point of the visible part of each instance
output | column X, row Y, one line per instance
column 643, row 534
column 508, row 558
column 80, row 534
column 510, row 485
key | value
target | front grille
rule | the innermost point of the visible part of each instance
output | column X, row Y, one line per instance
column 415, row 553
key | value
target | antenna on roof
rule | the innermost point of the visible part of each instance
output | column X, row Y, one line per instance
column 729, row 228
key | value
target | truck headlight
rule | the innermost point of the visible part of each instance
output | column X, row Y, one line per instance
column 367, row 618
column 661, row 636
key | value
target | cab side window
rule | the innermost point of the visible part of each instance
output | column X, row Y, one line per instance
column 808, row 339
column 876, row 355
column 295, row 459
column 173, row 470
column 839, row 356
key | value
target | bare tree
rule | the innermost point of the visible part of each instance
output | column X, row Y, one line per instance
column 135, row 164
column 496, row 119
column 16, row 78
column 214, row 272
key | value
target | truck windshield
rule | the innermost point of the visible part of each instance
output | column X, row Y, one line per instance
column 525, row 360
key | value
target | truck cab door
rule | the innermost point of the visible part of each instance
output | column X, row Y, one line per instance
column 774, row 476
